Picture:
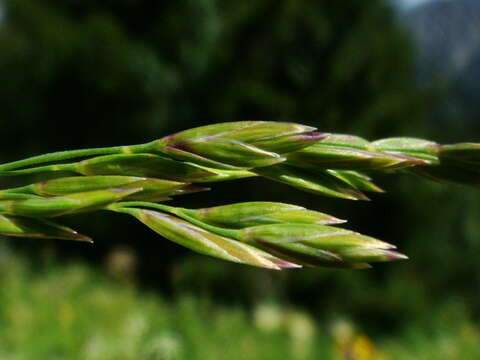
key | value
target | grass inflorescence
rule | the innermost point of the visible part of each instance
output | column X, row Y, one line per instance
column 136, row 180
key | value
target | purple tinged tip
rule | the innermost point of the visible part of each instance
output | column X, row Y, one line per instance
column 282, row 264
column 84, row 238
column 361, row 196
column 393, row 255
column 406, row 160
column 331, row 221
column 189, row 188
column 128, row 191
column 417, row 162
column 312, row 136
column 381, row 245
column 291, row 266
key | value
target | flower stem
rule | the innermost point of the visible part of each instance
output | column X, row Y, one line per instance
column 38, row 169
column 71, row 154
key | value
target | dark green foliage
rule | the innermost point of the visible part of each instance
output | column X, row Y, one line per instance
column 123, row 71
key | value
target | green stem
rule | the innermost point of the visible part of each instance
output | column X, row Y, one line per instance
column 70, row 154
column 178, row 212
column 166, row 208
column 39, row 169
column 60, row 155
column 6, row 195
column 121, row 209
column 27, row 189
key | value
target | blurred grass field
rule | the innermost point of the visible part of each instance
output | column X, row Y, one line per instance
column 77, row 312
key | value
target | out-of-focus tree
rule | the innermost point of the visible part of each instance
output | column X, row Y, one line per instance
column 77, row 73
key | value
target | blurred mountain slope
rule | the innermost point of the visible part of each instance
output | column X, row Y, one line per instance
column 446, row 34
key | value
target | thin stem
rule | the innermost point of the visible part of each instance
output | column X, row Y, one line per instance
column 178, row 211
column 166, row 208
column 16, row 196
column 71, row 154
column 60, row 155
column 39, row 169
column 27, row 189
column 121, row 209
column 7, row 169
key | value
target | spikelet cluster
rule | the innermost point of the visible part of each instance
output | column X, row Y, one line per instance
column 137, row 180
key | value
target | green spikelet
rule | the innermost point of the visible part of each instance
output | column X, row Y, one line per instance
column 36, row 228
column 142, row 165
column 63, row 205
column 151, row 189
column 202, row 241
column 241, row 215
column 237, row 145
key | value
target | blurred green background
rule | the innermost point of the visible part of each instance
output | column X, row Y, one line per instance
column 85, row 73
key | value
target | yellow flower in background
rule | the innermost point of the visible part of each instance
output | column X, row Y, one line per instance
column 351, row 345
